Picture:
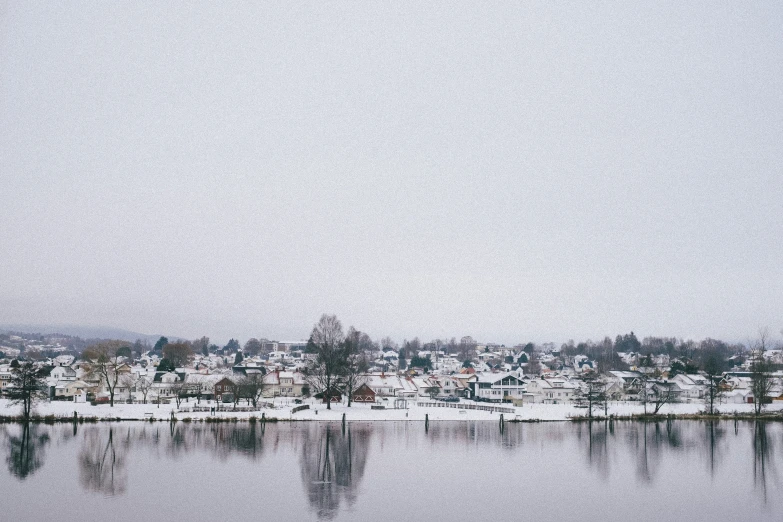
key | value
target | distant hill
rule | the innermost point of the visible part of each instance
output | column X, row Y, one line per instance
column 85, row 332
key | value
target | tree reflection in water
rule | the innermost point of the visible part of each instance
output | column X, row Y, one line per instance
column 715, row 433
column 221, row 439
column 332, row 462
column 332, row 466
column 597, row 442
column 26, row 451
column 763, row 464
column 102, row 461
column 652, row 440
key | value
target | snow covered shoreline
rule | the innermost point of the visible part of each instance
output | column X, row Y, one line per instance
column 282, row 411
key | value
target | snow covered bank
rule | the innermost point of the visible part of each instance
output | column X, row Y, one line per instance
column 282, row 410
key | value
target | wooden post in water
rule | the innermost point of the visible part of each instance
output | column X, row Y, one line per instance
column 75, row 417
column 501, row 423
column 343, row 423
column 263, row 417
column 426, row 422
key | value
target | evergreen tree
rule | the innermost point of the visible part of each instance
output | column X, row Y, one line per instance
column 27, row 386
column 163, row 341
column 232, row 346
column 166, row 366
column 401, row 363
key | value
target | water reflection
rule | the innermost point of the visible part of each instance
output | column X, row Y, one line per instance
column 327, row 466
column 764, row 467
column 102, row 461
column 221, row 440
column 597, row 434
column 715, row 434
column 650, row 442
column 26, row 451
column 332, row 466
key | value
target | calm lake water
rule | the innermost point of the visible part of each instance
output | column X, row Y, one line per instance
column 683, row 470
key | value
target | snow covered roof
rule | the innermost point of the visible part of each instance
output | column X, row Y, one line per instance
column 625, row 375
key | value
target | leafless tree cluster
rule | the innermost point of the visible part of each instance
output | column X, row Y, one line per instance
column 340, row 359
column 592, row 395
column 249, row 387
column 657, row 393
column 762, row 381
column 108, row 362
column 180, row 354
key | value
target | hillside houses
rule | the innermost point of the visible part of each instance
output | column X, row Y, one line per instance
column 524, row 374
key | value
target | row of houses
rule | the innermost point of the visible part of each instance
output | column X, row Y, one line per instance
column 139, row 383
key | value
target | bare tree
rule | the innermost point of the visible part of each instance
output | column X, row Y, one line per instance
column 179, row 389
column 251, row 387
column 467, row 349
column 761, row 380
column 27, row 386
column 712, row 367
column 664, row 393
column 387, row 344
column 763, row 342
column 533, row 365
column 253, row 346
column 143, row 385
column 237, row 390
column 644, row 389
column 201, row 346
column 592, row 394
column 761, row 383
column 327, row 340
column 356, row 364
column 180, row 353
column 107, row 363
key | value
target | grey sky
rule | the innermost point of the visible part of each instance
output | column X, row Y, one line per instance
column 512, row 171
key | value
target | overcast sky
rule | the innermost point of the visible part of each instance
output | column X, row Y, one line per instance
column 511, row 171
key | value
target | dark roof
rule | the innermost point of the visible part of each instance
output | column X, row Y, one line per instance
column 364, row 388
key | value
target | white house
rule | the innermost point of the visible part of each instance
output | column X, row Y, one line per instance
column 5, row 378
column 691, row 386
column 283, row 384
column 551, row 391
column 385, row 385
column 71, row 389
column 63, row 373
column 497, row 387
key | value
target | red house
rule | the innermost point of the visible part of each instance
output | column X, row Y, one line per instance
column 363, row 394
column 334, row 396
column 223, row 386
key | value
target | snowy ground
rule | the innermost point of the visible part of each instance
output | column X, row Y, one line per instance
column 359, row 412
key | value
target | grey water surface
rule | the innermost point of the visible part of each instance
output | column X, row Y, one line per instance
column 679, row 470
